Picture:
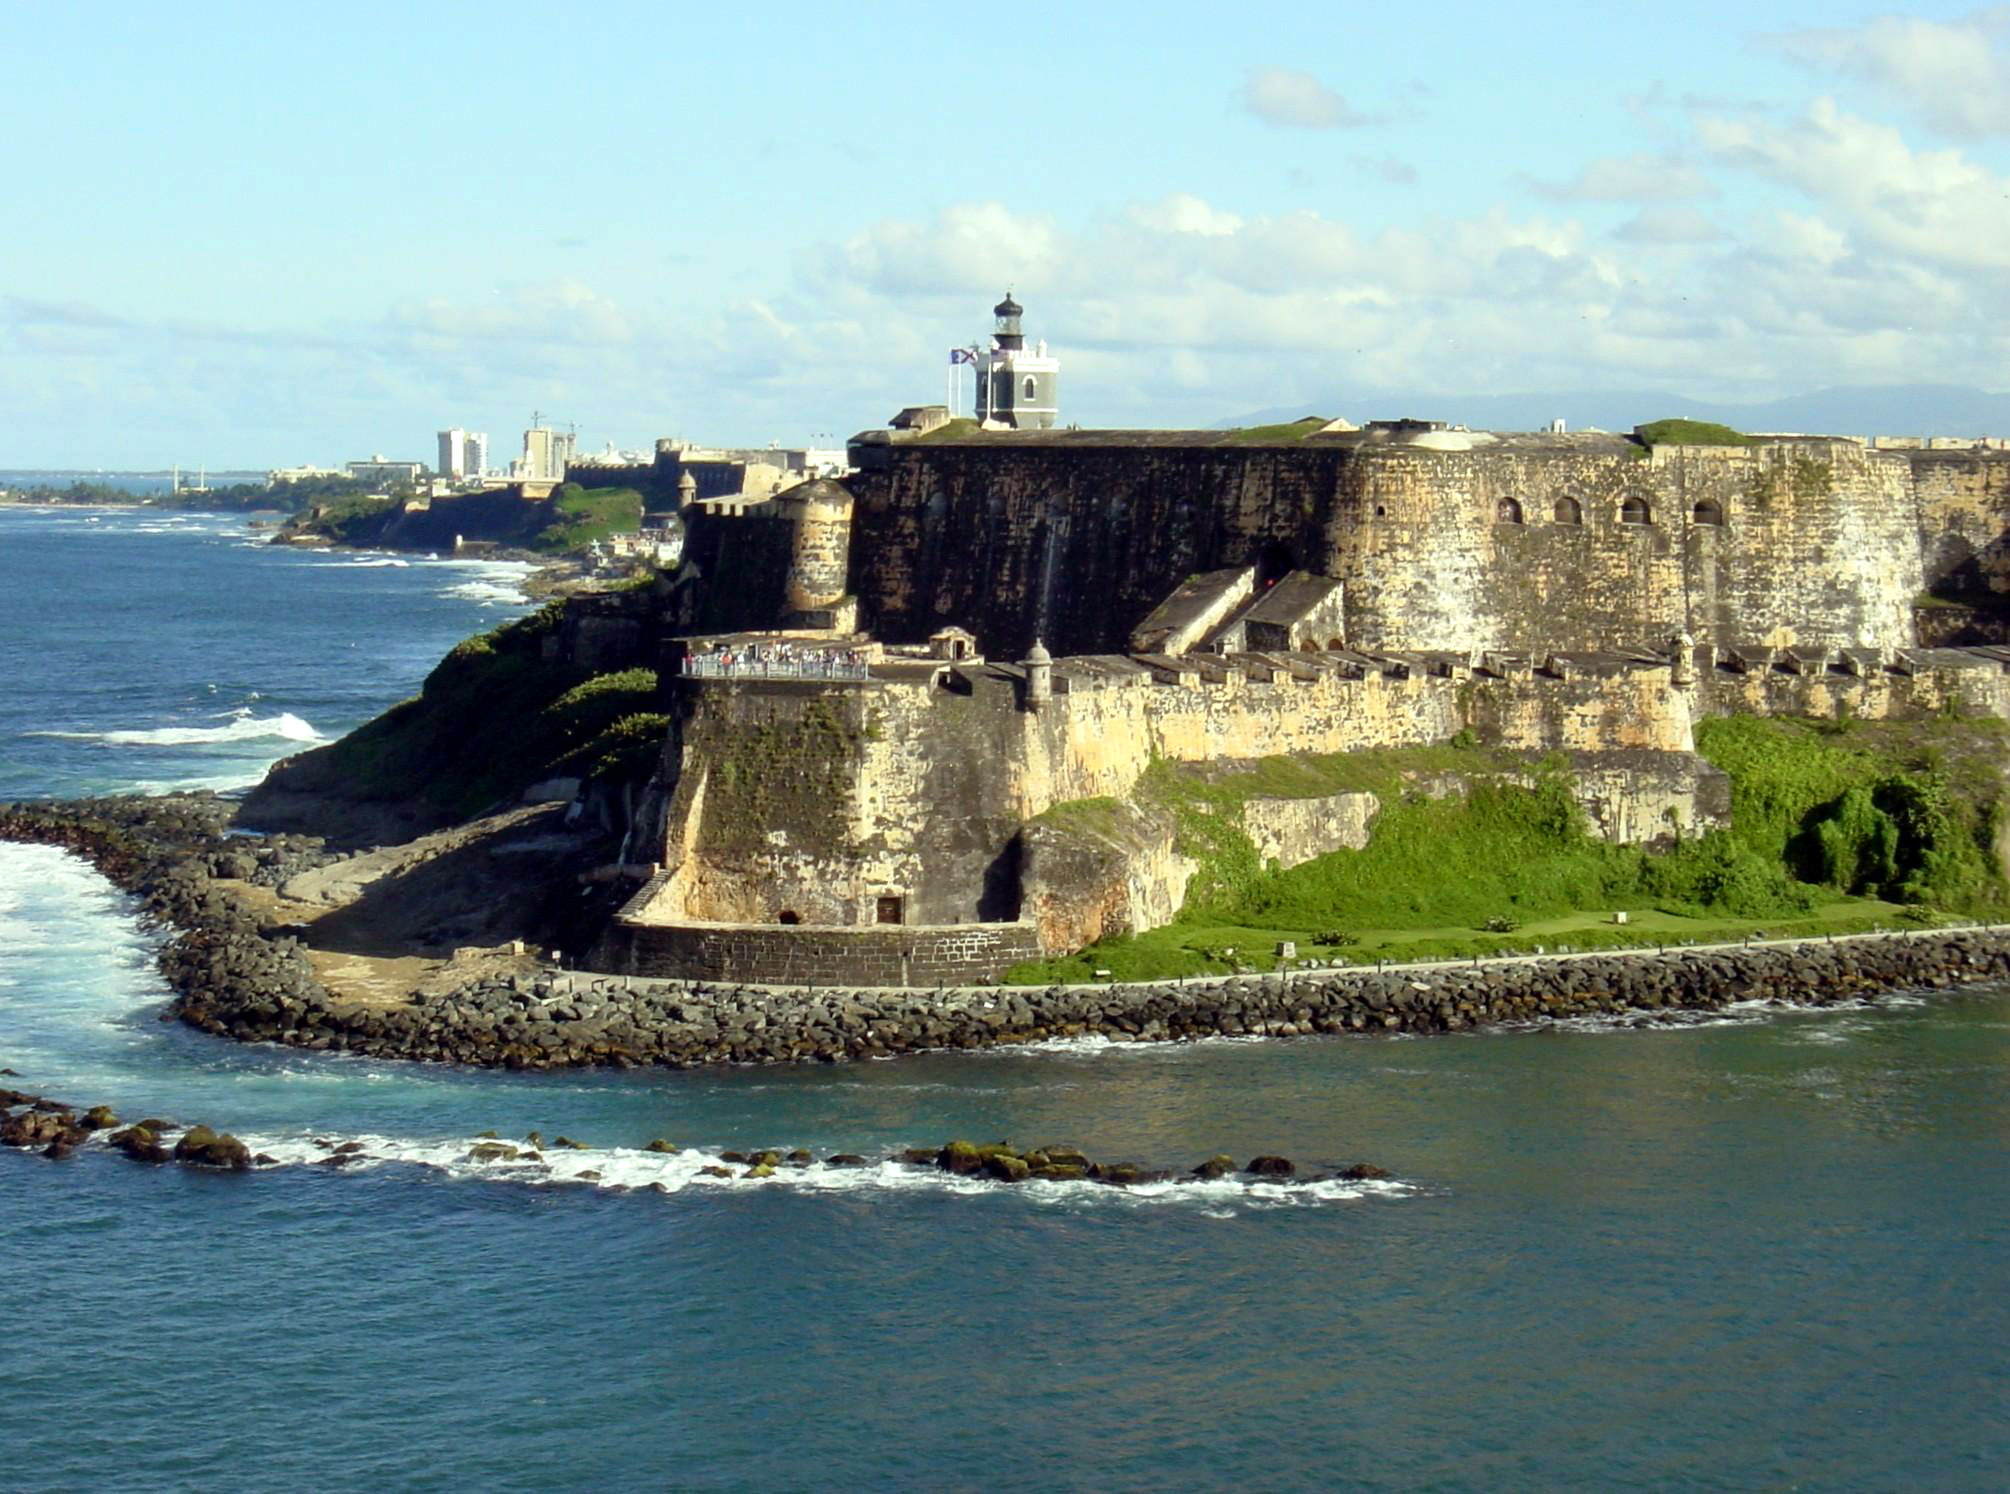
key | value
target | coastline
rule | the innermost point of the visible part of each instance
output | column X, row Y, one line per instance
column 233, row 979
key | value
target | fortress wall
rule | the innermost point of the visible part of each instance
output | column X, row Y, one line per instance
column 772, row 955
column 1820, row 544
column 1095, row 743
column 1977, row 691
column 1075, row 543
column 819, row 800
column 1964, row 521
column 1070, row 544
column 1425, row 555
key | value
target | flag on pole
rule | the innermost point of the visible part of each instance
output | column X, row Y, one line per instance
column 962, row 355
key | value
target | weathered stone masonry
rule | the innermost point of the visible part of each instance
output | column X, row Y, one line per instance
column 1536, row 543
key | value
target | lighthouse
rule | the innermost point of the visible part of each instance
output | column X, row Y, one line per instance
column 1017, row 388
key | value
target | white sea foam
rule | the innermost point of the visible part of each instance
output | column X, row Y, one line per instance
column 1095, row 1044
column 242, row 726
column 491, row 583
column 620, row 1168
column 487, row 593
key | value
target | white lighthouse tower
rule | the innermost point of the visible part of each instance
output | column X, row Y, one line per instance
column 1017, row 388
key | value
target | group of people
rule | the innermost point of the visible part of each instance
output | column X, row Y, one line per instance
column 783, row 658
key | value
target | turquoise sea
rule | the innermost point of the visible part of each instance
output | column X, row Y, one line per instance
column 1757, row 1252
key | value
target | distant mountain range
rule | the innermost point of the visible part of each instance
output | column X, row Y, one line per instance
column 1879, row 410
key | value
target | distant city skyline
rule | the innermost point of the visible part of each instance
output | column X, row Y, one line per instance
column 263, row 245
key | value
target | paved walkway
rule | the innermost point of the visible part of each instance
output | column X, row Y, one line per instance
column 585, row 982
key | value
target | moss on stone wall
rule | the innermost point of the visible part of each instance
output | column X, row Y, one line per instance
column 793, row 768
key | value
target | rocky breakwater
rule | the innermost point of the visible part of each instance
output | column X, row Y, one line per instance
column 230, row 979
column 563, row 1021
column 56, row 1129
column 171, row 853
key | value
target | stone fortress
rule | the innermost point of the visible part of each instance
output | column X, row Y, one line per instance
column 879, row 684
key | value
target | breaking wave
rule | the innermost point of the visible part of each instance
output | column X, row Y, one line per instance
column 241, row 727
column 621, row 1169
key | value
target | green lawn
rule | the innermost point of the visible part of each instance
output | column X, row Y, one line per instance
column 1284, row 433
column 1222, row 949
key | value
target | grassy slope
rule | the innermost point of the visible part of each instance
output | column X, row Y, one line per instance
column 494, row 717
column 1690, row 433
column 1437, row 871
column 583, row 515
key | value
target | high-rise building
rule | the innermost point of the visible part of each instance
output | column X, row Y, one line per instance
column 475, row 451
column 453, row 454
column 545, row 453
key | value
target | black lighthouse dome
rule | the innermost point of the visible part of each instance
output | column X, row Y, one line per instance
column 1008, row 312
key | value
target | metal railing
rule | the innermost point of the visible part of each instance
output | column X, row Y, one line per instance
column 772, row 664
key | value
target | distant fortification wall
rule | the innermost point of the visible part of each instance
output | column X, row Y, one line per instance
column 1523, row 542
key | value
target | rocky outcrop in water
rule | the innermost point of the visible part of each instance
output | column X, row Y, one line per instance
column 56, row 1129
column 31, row 1122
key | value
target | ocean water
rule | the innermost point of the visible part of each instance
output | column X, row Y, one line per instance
column 1764, row 1251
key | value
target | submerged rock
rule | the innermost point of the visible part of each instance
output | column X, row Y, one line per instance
column 139, row 1143
column 199, row 1146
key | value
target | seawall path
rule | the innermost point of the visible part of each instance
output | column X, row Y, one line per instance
column 233, row 980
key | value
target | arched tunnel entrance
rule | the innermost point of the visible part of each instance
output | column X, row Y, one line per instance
column 1273, row 563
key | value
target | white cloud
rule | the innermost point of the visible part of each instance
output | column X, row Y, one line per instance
column 1177, row 310
column 973, row 242
column 1291, row 98
column 1935, row 206
column 1667, row 225
column 1182, row 213
column 1642, row 177
column 1953, row 74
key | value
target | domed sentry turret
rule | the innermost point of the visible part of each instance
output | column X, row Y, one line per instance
column 1039, row 665
column 1008, row 312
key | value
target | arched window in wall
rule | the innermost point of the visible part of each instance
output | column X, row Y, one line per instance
column 1507, row 511
column 1635, row 511
column 1568, row 511
column 1032, row 389
column 1709, row 511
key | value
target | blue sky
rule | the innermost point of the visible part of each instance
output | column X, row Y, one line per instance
column 258, row 234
